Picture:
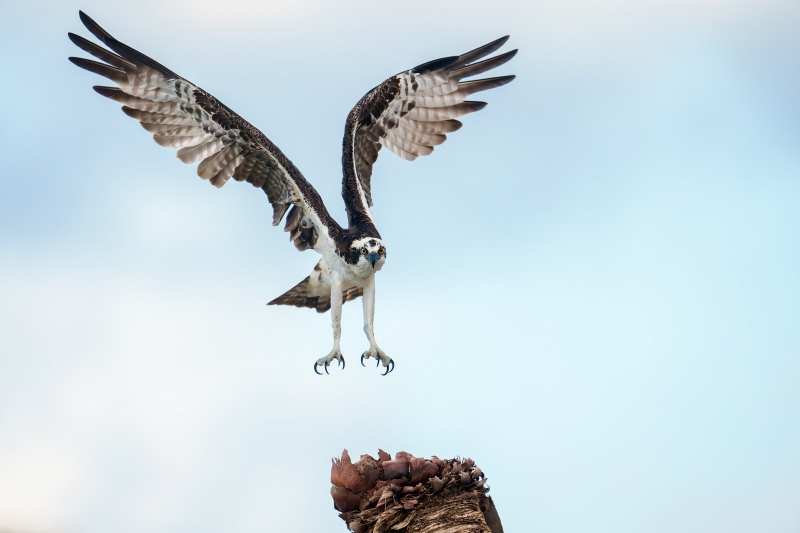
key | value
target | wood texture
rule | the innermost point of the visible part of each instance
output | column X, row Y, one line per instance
column 412, row 495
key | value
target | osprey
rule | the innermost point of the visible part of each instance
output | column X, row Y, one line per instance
column 409, row 114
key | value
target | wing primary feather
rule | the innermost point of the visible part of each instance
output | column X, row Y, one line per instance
column 115, row 74
column 471, row 87
column 101, row 53
column 109, row 92
column 118, row 95
column 123, row 49
column 481, row 67
column 481, row 51
column 436, row 114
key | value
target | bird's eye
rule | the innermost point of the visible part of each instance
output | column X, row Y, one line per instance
column 363, row 251
column 382, row 250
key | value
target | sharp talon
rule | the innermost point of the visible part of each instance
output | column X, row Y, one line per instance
column 388, row 368
column 362, row 361
column 391, row 362
column 315, row 368
column 326, row 367
column 342, row 362
column 379, row 362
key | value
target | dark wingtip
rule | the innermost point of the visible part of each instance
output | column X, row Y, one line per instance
column 108, row 92
column 82, row 42
column 480, row 52
column 434, row 65
column 86, row 19
column 131, row 112
column 502, row 40
column 95, row 28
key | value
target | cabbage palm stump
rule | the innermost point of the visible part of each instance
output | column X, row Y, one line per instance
column 410, row 494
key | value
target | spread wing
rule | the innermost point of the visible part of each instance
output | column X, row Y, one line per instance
column 182, row 116
column 412, row 112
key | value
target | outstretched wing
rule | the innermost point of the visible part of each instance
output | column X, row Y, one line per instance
column 412, row 112
column 183, row 116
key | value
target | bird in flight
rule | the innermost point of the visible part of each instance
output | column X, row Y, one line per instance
column 409, row 114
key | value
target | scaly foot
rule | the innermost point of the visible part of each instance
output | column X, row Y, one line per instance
column 325, row 361
column 378, row 354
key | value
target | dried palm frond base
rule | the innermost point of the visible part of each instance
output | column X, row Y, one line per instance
column 412, row 495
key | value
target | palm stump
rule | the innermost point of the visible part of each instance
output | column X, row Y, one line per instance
column 411, row 494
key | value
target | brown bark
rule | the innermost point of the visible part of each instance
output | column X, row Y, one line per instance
column 410, row 494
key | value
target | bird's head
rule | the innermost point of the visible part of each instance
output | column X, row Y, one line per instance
column 367, row 254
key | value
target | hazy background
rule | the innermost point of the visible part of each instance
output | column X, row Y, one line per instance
column 593, row 288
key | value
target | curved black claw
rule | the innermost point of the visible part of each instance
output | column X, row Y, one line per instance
column 379, row 361
column 326, row 367
column 389, row 367
column 362, row 361
column 315, row 368
column 342, row 362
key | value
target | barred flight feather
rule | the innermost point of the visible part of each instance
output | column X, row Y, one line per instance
column 436, row 114
column 408, row 156
column 193, row 154
column 426, row 139
column 101, row 53
column 483, row 66
column 158, row 118
column 243, row 170
column 225, row 173
column 115, row 74
column 408, row 146
column 442, row 127
column 180, row 141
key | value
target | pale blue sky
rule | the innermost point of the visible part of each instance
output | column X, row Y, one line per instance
column 597, row 278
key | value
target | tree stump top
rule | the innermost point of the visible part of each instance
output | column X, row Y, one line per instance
column 412, row 494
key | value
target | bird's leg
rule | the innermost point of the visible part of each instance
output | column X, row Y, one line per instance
column 369, row 315
column 336, row 323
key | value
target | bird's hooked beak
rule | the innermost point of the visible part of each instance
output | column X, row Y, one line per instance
column 373, row 258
